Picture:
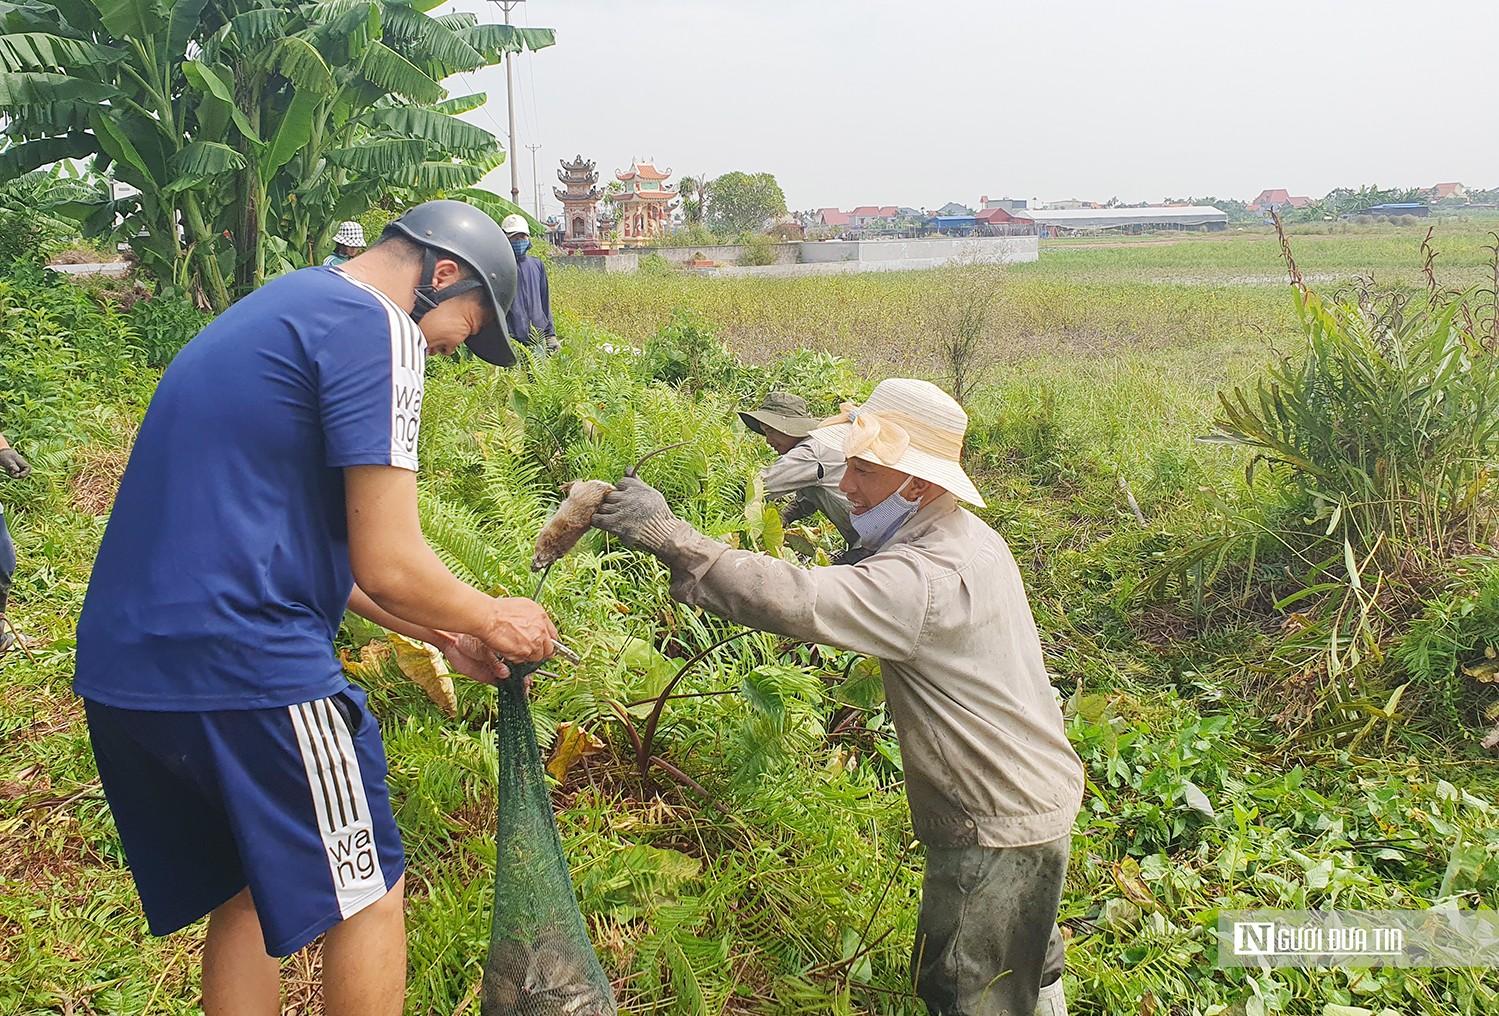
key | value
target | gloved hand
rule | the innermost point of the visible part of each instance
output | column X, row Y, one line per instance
column 637, row 513
column 12, row 463
column 796, row 511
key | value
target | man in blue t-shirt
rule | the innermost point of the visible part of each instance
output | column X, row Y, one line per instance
column 272, row 486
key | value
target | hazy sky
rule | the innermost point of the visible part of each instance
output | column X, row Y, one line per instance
column 855, row 102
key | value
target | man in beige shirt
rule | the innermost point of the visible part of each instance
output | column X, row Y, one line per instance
column 807, row 471
column 993, row 784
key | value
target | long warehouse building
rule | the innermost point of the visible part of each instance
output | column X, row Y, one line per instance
column 1065, row 220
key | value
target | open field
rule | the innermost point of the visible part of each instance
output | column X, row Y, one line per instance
column 793, row 889
column 1212, row 294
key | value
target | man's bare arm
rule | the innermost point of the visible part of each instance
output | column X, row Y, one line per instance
column 361, row 604
column 465, row 653
column 403, row 578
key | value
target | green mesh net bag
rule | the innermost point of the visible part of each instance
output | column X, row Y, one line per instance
column 540, row 960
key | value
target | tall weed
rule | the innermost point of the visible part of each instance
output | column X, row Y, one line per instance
column 1381, row 434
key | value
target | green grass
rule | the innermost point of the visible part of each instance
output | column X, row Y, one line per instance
column 767, row 902
column 1330, row 253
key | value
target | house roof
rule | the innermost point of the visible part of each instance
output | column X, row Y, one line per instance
column 833, row 217
column 1004, row 215
column 1275, row 196
column 1447, row 190
column 1300, row 200
column 644, row 170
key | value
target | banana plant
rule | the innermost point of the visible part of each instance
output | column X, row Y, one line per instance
column 247, row 129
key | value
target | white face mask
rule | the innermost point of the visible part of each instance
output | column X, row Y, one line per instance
column 879, row 523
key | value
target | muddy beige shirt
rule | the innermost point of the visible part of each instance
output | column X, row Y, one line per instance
column 942, row 607
column 811, row 471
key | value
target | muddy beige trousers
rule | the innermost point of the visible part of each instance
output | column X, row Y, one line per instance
column 986, row 936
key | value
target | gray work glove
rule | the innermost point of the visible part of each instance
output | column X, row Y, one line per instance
column 13, row 464
column 637, row 513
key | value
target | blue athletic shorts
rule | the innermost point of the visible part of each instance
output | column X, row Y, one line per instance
column 290, row 802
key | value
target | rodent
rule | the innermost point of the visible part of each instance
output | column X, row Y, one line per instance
column 574, row 515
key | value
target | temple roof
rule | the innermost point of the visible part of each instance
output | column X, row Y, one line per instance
column 644, row 170
column 625, row 197
column 586, row 196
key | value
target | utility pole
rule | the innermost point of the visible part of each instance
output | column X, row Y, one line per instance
column 535, row 181
column 506, row 6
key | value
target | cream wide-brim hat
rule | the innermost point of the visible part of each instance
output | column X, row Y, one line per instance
column 908, row 425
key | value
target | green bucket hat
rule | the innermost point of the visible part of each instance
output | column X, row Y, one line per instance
column 784, row 412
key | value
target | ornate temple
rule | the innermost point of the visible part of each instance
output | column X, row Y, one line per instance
column 579, row 196
column 645, row 205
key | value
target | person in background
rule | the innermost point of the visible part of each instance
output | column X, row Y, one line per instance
column 245, row 774
column 530, row 315
column 17, row 468
column 348, row 242
column 807, row 471
column 993, row 784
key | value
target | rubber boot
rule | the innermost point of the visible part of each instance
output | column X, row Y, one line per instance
column 1051, row 1001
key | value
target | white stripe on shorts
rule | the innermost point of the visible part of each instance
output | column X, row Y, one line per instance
column 343, row 813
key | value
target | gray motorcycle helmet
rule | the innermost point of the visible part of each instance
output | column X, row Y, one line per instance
column 464, row 232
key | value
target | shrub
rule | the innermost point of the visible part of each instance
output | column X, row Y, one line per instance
column 695, row 235
column 164, row 323
column 1389, row 418
column 30, row 236
column 1380, row 434
column 823, row 380
column 759, row 249
column 654, row 264
column 374, row 222
column 688, row 354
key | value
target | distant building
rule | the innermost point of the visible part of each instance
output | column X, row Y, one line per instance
column 580, row 197
column 833, row 218
column 994, row 215
column 1008, row 204
column 786, row 227
column 1449, row 192
column 1060, row 221
column 646, row 203
column 1416, row 208
column 962, row 224
column 1278, row 200
column 952, row 208
column 1068, row 205
column 868, row 215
